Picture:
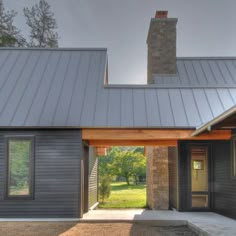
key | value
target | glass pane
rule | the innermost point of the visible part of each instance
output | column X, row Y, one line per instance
column 19, row 167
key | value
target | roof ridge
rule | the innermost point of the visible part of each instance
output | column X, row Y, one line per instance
column 207, row 58
column 169, row 86
column 52, row 49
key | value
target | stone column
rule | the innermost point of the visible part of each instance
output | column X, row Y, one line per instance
column 157, row 178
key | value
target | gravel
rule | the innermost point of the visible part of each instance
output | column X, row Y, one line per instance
column 91, row 229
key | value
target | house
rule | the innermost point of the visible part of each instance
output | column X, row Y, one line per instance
column 57, row 110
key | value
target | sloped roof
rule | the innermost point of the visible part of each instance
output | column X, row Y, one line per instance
column 205, row 71
column 219, row 120
column 65, row 88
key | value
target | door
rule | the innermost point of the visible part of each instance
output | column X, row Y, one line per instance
column 199, row 177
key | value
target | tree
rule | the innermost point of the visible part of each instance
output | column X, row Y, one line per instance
column 42, row 25
column 10, row 36
column 139, row 149
column 104, row 187
column 105, row 165
column 129, row 164
column 126, row 162
column 139, row 167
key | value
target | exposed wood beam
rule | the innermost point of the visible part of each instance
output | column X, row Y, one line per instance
column 101, row 143
column 101, row 151
column 151, row 134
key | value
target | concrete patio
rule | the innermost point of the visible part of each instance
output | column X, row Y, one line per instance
column 205, row 223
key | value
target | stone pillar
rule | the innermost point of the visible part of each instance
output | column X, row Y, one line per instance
column 157, row 178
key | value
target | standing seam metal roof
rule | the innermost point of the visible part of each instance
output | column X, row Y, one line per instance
column 65, row 88
column 201, row 72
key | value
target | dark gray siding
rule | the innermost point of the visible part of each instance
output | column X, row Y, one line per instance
column 222, row 185
column 224, row 197
column 93, row 177
column 173, row 179
column 57, row 176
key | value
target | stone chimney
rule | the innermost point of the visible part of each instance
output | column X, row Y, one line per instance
column 161, row 44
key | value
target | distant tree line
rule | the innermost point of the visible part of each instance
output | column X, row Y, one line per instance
column 40, row 21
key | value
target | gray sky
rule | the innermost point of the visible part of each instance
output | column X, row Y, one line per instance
column 205, row 28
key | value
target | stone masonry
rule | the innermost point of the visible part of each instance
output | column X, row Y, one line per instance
column 161, row 43
column 157, row 178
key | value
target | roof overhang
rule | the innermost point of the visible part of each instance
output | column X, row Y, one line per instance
column 209, row 125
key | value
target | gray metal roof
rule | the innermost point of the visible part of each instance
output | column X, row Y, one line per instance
column 222, row 117
column 65, row 88
column 201, row 71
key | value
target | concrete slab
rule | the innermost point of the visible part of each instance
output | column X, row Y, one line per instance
column 39, row 219
column 206, row 223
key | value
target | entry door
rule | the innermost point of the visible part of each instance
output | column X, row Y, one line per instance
column 199, row 177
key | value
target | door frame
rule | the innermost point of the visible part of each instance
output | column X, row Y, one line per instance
column 210, row 176
column 84, row 182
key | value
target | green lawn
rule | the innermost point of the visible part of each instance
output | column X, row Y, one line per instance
column 124, row 196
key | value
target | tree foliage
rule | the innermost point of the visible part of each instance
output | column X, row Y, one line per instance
column 42, row 24
column 104, row 187
column 106, row 164
column 10, row 36
column 123, row 162
column 19, row 152
column 129, row 164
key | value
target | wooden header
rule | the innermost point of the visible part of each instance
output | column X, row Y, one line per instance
column 165, row 143
column 101, row 151
column 147, row 136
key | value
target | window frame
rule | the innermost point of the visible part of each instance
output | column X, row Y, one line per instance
column 233, row 158
column 30, row 196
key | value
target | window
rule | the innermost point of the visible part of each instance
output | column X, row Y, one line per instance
column 234, row 158
column 198, row 165
column 20, row 167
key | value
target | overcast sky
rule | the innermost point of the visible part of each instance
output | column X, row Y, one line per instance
column 204, row 28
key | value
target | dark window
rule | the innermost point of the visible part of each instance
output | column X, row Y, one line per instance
column 20, row 158
column 234, row 158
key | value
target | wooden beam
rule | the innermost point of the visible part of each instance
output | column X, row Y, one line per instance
column 152, row 134
column 101, row 151
column 101, row 143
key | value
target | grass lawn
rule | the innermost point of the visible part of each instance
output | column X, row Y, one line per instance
column 124, row 196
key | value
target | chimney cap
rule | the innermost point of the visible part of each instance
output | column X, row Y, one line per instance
column 161, row 14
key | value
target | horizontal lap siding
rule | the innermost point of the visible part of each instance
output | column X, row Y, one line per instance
column 224, row 198
column 57, row 176
column 93, row 177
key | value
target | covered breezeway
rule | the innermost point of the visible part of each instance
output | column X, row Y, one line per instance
column 161, row 148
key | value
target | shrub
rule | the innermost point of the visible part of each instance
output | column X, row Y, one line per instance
column 104, row 188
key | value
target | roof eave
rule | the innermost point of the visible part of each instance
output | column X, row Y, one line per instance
column 218, row 119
